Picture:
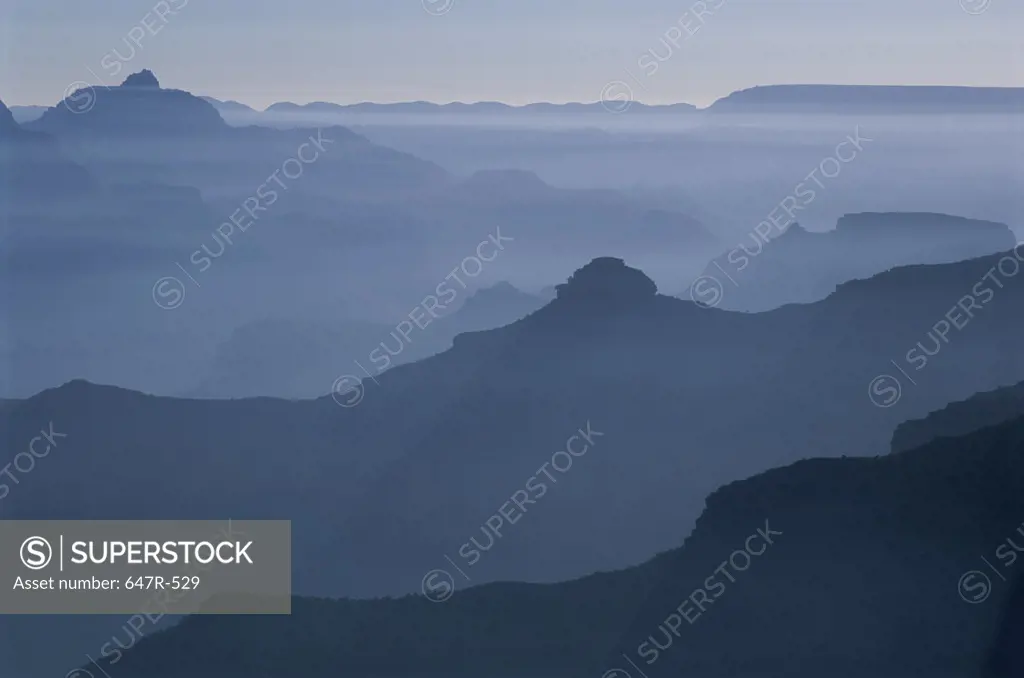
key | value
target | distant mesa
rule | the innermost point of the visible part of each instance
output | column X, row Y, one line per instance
column 801, row 266
column 607, row 279
column 840, row 99
column 927, row 223
column 475, row 108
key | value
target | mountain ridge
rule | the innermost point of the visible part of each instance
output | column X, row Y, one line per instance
column 123, row 133
column 655, row 352
column 759, row 98
column 799, row 266
column 851, row 99
column 860, row 517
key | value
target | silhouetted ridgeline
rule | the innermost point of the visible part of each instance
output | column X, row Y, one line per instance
column 567, row 220
column 686, row 401
column 495, row 306
column 797, row 99
column 139, row 106
column 138, row 131
column 121, row 184
column 956, row 419
column 7, row 122
column 796, row 266
column 482, row 109
column 764, row 417
column 23, row 114
column 861, row 99
column 32, row 167
column 230, row 107
column 288, row 359
column 828, row 99
column 883, row 540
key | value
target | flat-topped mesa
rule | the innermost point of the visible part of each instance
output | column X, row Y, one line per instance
column 607, row 280
column 924, row 223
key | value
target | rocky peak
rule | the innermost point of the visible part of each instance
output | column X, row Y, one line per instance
column 607, row 279
column 142, row 79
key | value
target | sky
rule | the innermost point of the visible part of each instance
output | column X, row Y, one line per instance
column 516, row 51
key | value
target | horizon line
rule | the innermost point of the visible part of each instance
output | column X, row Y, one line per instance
column 557, row 103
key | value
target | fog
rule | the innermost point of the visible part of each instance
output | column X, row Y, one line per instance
column 379, row 325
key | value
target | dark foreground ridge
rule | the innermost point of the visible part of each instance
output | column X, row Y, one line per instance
column 885, row 540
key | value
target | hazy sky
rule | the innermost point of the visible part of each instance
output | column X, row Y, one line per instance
column 259, row 52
